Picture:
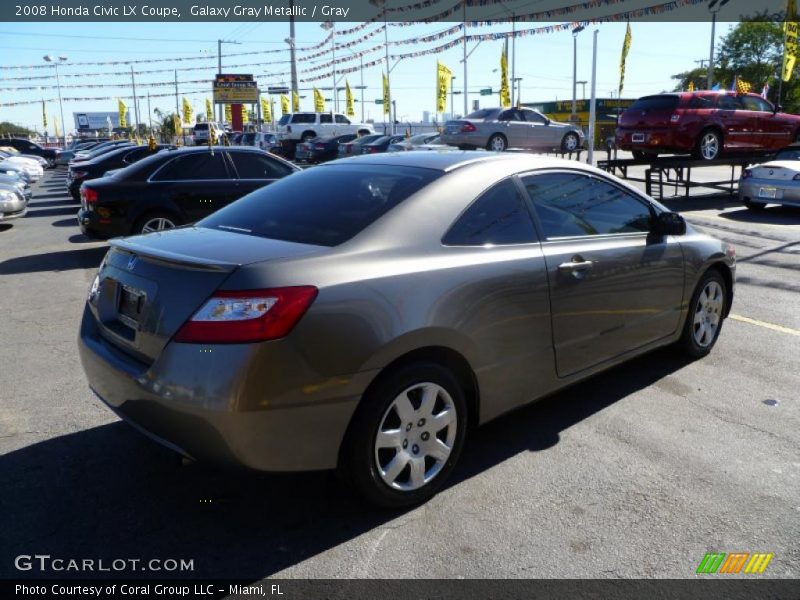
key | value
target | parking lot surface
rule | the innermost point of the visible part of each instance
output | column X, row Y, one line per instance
column 637, row 472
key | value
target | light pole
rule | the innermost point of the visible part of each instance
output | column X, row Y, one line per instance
column 452, row 96
column 517, row 81
column 583, row 88
column 219, row 69
column 575, row 33
column 61, row 59
column 718, row 4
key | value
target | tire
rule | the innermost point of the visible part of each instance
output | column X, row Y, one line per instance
column 497, row 142
column 570, row 142
column 709, row 145
column 638, row 155
column 757, row 206
column 394, row 476
column 706, row 315
column 150, row 222
column 308, row 135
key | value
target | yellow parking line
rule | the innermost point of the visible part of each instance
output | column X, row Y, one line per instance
column 772, row 326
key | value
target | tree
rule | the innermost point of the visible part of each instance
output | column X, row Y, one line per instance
column 9, row 129
column 752, row 51
column 165, row 124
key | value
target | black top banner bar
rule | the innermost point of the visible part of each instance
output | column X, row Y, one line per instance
column 389, row 11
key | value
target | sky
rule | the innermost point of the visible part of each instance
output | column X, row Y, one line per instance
column 544, row 62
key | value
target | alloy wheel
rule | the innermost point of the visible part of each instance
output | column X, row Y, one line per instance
column 570, row 142
column 497, row 143
column 707, row 314
column 709, row 146
column 416, row 436
column 157, row 224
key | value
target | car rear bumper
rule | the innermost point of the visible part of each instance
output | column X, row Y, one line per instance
column 786, row 192
column 253, row 405
column 94, row 226
column 653, row 140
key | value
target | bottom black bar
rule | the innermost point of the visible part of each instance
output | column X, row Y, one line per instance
column 712, row 588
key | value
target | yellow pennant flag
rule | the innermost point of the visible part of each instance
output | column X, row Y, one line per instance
column 123, row 122
column 386, row 97
column 626, row 46
column 209, row 111
column 285, row 105
column 350, row 109
column 790, row 48
column 505, row 95
column 244, row 114
column 266, row 111
column 319, row 101
column 228, row 113
column 44, row 114
column 295, row 102
column 443, row 78
column 176, row 123
column 56, row 127
column 187, row 111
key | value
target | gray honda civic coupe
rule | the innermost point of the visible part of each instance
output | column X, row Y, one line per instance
column 366, row 314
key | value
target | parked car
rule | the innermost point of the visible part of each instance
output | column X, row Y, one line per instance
column 235, row 138
column 365, row 314
column 501, row 128
column 99, row 149
column 381, row 144
column 15, row 181
column 776, row 181
column 412, row 142
column 28, row 147
column 303, row 126
column 21, row 171
column 705, row 124
column 353, row 148
column 33, row 171
column 64, row 156
column 174, row 187
column 117, row 158
column 203, row 130
column 9, row 152
column 13, row 203
column 321, row 149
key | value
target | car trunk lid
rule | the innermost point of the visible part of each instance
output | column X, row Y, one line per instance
column 150, row 285
column 777, row 170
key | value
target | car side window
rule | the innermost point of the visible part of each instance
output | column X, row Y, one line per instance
column 700, row 102
column 194, row 166
column 533, row 117
column 325, row 118
column 571, row 204
column 341, row 119
column 755, row 104
column 508, row 115
column 251, row 165
column 499, row 217
column 729, row 103
column 303, row 118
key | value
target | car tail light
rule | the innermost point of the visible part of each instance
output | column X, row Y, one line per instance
column 319, row 146
column 747, row 173
column 467, row 128
column 89, row 195
column 674, row 118
column 372, row 149
column 239, row 317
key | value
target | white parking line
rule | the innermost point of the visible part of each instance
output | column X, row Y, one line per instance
column 772, row 326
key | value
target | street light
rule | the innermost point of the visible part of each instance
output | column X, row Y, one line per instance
column 517, row 81
column 61, row 59
column 575, row 33
column 583, row 88
column 718, row 4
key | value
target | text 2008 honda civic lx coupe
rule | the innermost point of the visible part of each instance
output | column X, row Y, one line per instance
column 366, row 313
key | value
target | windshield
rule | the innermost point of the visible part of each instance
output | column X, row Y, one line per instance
column 284, row 119
column 324, row 206
column 655, row 103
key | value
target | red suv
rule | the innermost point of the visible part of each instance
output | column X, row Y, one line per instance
column 705, row 124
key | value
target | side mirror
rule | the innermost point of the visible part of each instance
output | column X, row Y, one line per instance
column 777, row 108
column 546, row 121
column 669, row 223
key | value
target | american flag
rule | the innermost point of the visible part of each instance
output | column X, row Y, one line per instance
column 765, row 91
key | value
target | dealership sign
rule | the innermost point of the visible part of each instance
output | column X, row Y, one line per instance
column 235, row 89
column 87, row 121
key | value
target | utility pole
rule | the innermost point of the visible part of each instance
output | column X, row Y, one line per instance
column 592, row 104
column 386, row 44
column 292, row 56
column 219, row 69
column 464, row 38
column 361, row 60
column 149, row 114
column 135, row 103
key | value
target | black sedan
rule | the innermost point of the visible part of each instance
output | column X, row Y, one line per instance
column 117, row 158
column 381, row 144
column 321, row 149
column 174, row 187
column 28, row 147
column 353, row 148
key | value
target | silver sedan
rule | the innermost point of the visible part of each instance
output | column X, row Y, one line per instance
column 773, row 182
column 499, row 129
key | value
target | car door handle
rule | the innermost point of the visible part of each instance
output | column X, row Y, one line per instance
column 579, row 265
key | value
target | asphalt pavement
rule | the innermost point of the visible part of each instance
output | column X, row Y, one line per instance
column 637, row 472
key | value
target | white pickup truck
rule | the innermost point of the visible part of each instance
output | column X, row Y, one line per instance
column 302, row 126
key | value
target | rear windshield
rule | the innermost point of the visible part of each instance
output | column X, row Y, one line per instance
column 248, row 139
column 201, row 127
column 655, row 103
column 484, row 113
column 325, row 206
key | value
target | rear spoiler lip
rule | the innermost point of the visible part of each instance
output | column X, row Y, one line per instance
column 172, row 258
